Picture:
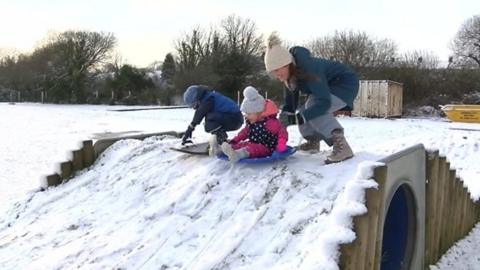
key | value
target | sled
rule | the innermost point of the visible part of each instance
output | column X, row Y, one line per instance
column 274, row 157
column 194, row 149
column 462, row 113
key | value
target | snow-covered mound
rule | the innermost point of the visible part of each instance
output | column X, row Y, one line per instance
column 143, row 206
column 131, row 209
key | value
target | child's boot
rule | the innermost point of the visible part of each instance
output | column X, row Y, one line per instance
column 221, row 136
column 232, row 154
column 214, row 148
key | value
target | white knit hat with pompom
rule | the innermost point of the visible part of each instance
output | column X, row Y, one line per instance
column 253, row 101
column 276, row 55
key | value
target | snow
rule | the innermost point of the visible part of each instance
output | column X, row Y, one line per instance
column 143, row 206
column 463, row 255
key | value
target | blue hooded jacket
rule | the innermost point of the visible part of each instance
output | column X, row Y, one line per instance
column 331, row 78
column 205, row 102
column 221, row 103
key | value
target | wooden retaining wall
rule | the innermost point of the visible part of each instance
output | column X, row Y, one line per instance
column 80, row 159
column 450, row 214
column 85, row 156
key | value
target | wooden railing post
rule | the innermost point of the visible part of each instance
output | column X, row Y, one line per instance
column 66, row 170
column 77, row 160
column 53, row 180
column 88, row 153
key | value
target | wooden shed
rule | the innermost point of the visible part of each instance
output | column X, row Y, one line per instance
column 379, row 98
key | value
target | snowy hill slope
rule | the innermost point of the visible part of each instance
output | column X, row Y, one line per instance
column 142, row 206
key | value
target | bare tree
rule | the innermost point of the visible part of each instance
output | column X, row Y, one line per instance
column 221, row 57
column 466, row 44
column 85, row 50
column 76, row 53
column 115, row 63
column 191, row 49
column 241, row 36
column 354, row 48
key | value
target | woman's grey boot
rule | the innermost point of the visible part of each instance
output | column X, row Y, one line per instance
column 311, row 145
column 341, row 150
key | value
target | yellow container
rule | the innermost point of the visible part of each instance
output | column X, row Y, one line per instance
column 462, row 113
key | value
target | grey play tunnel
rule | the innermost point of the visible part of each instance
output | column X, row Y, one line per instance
column 419, row 210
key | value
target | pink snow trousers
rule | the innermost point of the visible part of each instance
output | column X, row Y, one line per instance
column 255, row 150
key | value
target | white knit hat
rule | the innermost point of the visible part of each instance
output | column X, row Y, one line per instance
column 276, row 55
column 253, row 101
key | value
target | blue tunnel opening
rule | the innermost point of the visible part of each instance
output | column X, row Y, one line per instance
column 398, row 231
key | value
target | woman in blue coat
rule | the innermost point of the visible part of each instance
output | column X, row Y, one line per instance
column 328, row 86
column 221, row 113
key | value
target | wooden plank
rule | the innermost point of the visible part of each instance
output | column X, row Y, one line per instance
column 361, row 229
column 438, row 211
column 465, row 211
column 440, row 207
column 396, row 101
column 431, row 218
column 458, row 210
column 362, row 252
column 468, row 214
column 66, row 170
column 349, row 252
column 364, row 227
column 88, row 153
column 471, row 218
column 53, row 180
column 461, row 210
column 445, row 209
column 77, row 160
column 383, row 99
column 374, row 199
column 477, row 208
column 347, row 255
column 451, row 208
column 376, row 100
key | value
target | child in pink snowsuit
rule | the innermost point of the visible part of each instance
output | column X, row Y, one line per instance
column 263, row 132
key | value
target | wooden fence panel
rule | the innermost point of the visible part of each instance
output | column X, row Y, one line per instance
column 431, row 221
column 451, row 213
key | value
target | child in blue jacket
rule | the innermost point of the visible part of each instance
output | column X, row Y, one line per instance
column 329, row 87
column 221, row 113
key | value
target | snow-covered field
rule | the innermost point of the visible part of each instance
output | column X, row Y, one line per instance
column 142, row 206
column 34, row 137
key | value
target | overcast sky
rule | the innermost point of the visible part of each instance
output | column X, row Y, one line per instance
column 146, row 29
